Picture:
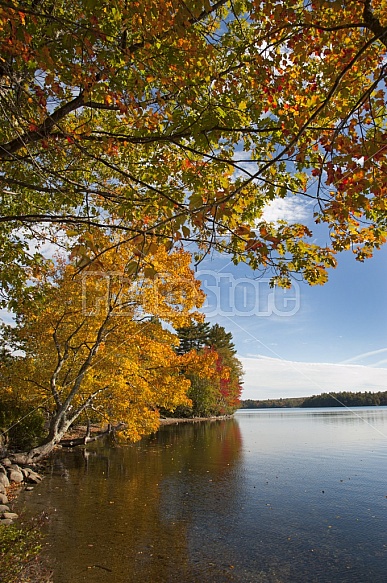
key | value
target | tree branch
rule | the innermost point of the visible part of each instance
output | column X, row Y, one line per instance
column 42, row 131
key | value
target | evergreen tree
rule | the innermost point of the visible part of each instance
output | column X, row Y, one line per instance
column 194, row 337
column 218, row 395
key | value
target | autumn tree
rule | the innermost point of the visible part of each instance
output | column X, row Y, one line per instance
column 88, row 343
column 229, row 369
column 217, row 392
column 183, row 120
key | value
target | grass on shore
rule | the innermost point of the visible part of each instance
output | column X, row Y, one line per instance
column 20, row 549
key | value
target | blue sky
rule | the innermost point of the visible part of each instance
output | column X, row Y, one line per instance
column 307, row 340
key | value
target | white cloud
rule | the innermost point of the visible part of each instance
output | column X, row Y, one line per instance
column 267, row 378
column 6, row 317
column 286, row 209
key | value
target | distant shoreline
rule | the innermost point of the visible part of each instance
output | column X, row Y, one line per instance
column 331, row 399
column 177, row 420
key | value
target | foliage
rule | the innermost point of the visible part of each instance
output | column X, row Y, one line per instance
column 217, row 393
column 183, row 120
column 20, row 547
column 272, row 403
column 346, row 399
column 24, row 426
column 342, row 399
column 94, row 341
column 193, row 337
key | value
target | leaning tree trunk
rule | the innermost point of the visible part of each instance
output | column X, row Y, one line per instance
column 55, row 437
column 59, row 425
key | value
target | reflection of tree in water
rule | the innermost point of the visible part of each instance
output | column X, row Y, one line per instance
column 189, row 505
column 125, row 514
column 204, row 493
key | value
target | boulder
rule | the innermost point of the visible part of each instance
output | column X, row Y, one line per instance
column 15, row 476
column 2, row 489
column 6, row 462
column 10, row 515
column 6, row 521
column 4, row 480
column 4, row 508
column 3, row 499
column 2, row 469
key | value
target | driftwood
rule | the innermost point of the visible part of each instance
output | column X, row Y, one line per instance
column 89, row 438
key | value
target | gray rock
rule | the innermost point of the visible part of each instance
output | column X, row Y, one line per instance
column 15, row 476
column 4, row 480
column 2, row 470
column 10, row 515
column 2, row 489
column 6, row 521
column 13, row 467
column 25, row 472
column 6, row 462
column 3, row 499
column 4, row 508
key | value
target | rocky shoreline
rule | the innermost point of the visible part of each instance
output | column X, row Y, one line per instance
column 12, row 478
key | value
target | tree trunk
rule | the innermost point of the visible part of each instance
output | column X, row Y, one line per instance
column 87, row 438
column 54, row 438
column 38, row 453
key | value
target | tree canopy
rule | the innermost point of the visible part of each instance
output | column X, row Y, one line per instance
column 92, row 344
column 217, row 393
column 182, row 120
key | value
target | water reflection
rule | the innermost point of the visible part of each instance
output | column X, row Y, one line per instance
column 266, row 497
column 325, row 415
column 125, row 513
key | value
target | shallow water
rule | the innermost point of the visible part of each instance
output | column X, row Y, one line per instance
column 296, row 495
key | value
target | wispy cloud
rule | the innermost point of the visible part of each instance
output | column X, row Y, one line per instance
column 365, row 356
column 286, row 209
column 274, row 378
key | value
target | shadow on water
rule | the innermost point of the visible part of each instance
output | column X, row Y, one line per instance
column 246, row 500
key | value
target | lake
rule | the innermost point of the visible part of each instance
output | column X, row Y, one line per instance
column 294, row 495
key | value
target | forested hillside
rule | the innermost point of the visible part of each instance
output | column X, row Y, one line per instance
column 343, row 399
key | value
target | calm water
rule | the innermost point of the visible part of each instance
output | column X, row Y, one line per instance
column 270, row 496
